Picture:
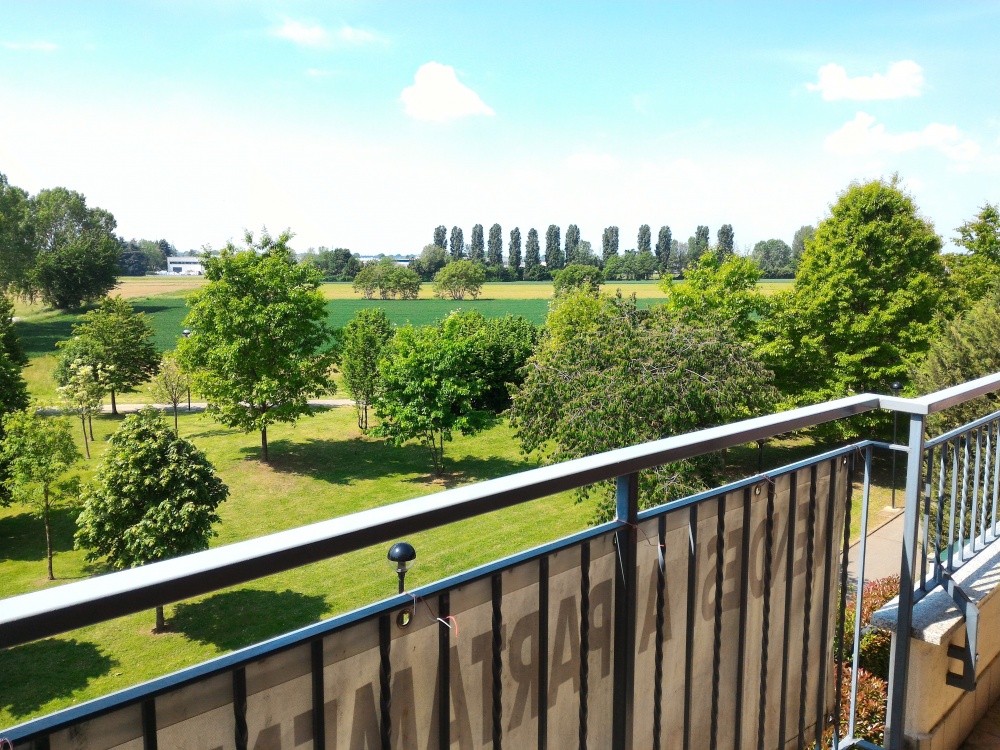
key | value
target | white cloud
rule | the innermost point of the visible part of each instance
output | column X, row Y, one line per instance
column 437, row 95
column 591, row 162
column 904, row 78
column 306, row 35
column 861, row 136
column 314, row 35
column 30, row 46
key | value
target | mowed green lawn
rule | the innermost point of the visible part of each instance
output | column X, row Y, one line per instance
column 321, row 468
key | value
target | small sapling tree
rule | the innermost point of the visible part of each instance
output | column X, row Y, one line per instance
column 170, row 384
column 363, row 345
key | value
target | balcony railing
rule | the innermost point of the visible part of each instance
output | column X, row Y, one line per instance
column 705, row 622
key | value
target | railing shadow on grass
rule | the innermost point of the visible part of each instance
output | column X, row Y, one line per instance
column 235, row 619
column 29, row 671
column 346, row 461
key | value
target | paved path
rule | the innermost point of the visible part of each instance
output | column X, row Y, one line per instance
column 196, row 406
column 883, row 548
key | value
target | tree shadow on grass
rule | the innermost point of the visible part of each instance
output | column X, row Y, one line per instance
column 346, row 461
column 39, row 672
column 40, row 337
column 22, row 537
column 235, row 619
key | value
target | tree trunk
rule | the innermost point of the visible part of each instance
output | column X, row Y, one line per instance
column 114, row 406
column 161, row 623
column 263, row 445
column 90, row 424
column 176, row 431
column 48, row 533
column 86, row 445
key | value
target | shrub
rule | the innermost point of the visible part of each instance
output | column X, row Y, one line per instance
column 459, row 278
column 869, row 720
column 576, row 276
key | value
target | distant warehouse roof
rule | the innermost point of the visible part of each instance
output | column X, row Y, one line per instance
column 186, row 264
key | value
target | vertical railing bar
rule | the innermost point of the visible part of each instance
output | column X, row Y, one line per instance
column 661, row 585
column 789, row 574
column 996, row 478
column 149, row 738
column 241, row 735
column 900, row 654
column 384, row 676
column 543, row 653
column 444, row 674
column 952, row 505
column 720, row 564
column 318, row 695
column 859, row 592
column 965, row 499
column 939, row 535
column 824, row 623
column 692, row 583
column 807, row 610
column 842, row 601
column 929, row 461
column 975, row 491
column 497, row 628
column 987, row 453
column 766, row 624
column 626, row 512
column 744, row 598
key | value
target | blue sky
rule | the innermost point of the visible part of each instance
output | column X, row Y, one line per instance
column 366, row 124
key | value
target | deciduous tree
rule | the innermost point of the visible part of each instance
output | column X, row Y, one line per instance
column 459, row 278
column 864, row 300
column 803, row 236
column 976, row 274
column 609, row 243
column 576, row 276
column 774, row 258
column 440, row 236
column 170, row 384
column 83, row 393
column 17, row 238
column 429, row 388
column 494, row 253
column 431, row 260
column 77, row 258
column 154, row 496
column 554, row 259
column 260, row 344
column 532, row 253
column 38, row 451
column 664, row 244
column 572, row 243
column 719, row 294
column 457, row 243
column 477, row 249
column 514, row 252
column 725, row 243
column 13, row 389
column 364, row 344
column 644, row 240
column 607, row 375
column 124, row 340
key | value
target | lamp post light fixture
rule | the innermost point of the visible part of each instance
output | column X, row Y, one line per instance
column 187, row 335
column 896, row 388
column 401, row 556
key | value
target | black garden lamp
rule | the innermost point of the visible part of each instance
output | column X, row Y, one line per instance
column 401, row 556
column 187, row 335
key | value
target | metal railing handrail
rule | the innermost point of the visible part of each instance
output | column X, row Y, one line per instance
column 51, row 611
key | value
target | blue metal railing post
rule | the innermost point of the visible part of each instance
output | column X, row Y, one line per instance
column 900, row 657
column 626, row 511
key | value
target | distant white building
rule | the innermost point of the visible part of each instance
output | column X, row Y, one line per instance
column 185, row 265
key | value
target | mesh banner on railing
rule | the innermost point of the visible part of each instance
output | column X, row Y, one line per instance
column 729, row 648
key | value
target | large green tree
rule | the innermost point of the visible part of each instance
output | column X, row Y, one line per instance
column 260, row 345
column 457, row 243
column 774, row 258
column 125, row 340
column 458, row 279
column 37, row 452
column 494, row 252
column 644, row 240
column 664, row 244
column 77, row 250
column 364, row 342
column 607, row 375
column 718, row 294
column 431, row 260
column 430, row 387
column 13, row 389
column 477, row 249
column 803, row 236
column 725, row 242
column 864, row 300
column 17, row 238
column 572, row 243
column 440, row 236
column 514, row 252
column 977, row 272
column 554, row 259
column 700, row 243
column 532, row 253
column 154, row 496
column 609, row 243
